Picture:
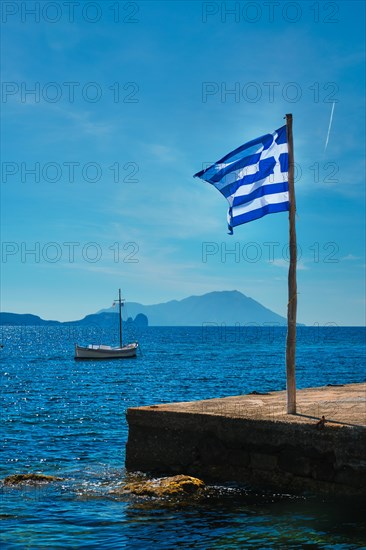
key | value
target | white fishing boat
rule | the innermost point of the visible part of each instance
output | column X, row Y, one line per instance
column 105, row 352
column 100, row 351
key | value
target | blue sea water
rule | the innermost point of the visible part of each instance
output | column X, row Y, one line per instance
column 67, row 418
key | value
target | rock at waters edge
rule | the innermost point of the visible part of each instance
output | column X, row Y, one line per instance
column 163, row 487
column 29, row 478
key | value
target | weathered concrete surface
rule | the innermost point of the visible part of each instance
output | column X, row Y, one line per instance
column 250, row 438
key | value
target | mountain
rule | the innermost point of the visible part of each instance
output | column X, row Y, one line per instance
column 15, row 319
column 105, row 320
column 108, row 319
column 229, row 307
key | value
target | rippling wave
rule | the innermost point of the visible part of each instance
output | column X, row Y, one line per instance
column 67, row 418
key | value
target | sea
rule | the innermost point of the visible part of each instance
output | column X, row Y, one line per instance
column 67, row 418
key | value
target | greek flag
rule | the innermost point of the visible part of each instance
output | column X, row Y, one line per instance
column 253, row 178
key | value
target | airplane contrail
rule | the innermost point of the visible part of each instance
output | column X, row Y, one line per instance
column 330, row 125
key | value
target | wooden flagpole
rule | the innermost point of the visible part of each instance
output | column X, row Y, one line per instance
column 292, row 285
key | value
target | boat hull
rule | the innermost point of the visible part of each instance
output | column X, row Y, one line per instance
column 105, row 352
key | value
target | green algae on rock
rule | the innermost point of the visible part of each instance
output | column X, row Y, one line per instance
column 163, row 487
column 29, row 478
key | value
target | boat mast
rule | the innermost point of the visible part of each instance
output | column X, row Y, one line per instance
column 120, row 317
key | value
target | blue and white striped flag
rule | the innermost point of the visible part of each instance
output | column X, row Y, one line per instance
column 253, row 178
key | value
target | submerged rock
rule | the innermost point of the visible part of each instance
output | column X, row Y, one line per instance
column 29, row 478
column 163, row 487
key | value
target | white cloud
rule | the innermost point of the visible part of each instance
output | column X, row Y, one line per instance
column 350, row 258
column 163, row 153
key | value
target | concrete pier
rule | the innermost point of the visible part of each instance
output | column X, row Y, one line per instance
column 251, row 439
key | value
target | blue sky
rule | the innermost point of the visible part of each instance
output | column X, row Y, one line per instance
column 127, row 106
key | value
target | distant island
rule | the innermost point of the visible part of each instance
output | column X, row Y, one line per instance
column 228, row 307
column 103, row 319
